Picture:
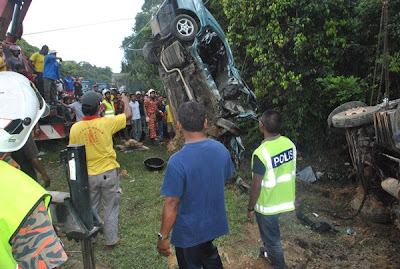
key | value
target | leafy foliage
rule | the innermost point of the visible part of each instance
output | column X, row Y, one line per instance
column 306, row 57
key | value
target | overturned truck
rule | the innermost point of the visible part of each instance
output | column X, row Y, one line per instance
column 373, row 138
column 196, row 63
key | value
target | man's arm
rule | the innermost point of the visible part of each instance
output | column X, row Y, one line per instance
column 128, row 114
column 38, row 165
column 170, row 212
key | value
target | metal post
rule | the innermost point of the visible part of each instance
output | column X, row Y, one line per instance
column 79, row 185
column 88, row 253
column 80, row 197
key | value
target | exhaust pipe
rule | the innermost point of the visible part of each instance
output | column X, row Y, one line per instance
column 391, row 186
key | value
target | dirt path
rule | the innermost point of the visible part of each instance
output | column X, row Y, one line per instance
column 373, row 246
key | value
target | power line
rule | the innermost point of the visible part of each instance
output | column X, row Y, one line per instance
column 78, row 26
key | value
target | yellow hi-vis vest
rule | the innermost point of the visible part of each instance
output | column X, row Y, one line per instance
column 110, row 111
column 278, row 185
column 19, row 196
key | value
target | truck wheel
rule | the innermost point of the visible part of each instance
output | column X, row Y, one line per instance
column 355, row 117
column 149, row 52
column 184, row 27
column 344, row 107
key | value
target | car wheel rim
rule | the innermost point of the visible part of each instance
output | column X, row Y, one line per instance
column 185, row 27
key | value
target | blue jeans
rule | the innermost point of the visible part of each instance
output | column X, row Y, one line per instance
column 137, row 129
column 271, row 236
column 204, row 255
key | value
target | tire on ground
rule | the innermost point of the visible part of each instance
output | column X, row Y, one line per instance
column 344, row 107
column 149, row 52
column 341, row 120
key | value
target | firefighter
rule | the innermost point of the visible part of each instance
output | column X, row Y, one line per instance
column 27, row 237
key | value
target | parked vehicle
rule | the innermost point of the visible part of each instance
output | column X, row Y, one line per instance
column 102, row 85
column 86, row 85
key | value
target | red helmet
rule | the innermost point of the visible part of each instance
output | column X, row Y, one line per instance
column 15, row 47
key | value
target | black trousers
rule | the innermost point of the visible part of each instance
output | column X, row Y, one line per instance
column 204, row 255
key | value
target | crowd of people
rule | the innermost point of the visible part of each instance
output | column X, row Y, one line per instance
column 194, row 210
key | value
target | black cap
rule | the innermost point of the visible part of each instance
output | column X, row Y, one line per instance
column 91, row 98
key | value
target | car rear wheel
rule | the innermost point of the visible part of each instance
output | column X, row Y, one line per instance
column 184, row 27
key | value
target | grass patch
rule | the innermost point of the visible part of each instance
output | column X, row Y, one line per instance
column 140, row 211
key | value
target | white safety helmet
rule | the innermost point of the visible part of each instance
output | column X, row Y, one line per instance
column 105, row 91
column 150, row 91
column 21, row 107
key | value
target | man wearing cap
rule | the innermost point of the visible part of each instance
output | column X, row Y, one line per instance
column 36, row 62
column 15, row 59
column 51, row 73
column 96, row 134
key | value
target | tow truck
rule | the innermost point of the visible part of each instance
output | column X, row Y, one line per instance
column 12, row 14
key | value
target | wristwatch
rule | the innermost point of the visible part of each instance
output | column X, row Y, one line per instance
column 161, row 237
column 250, row 210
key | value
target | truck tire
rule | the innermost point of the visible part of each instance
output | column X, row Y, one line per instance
column 184, row 27
column 344, row 107
column 341, row 120
column 149, row 52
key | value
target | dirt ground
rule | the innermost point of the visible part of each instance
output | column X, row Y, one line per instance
column 373, row 245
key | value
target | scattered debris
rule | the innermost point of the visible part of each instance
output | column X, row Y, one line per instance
column 315, row 214
column 307, row 175
column 124, row 174
column 319, row 226
column 242, row 185
column 129, row 145
column 350, row 232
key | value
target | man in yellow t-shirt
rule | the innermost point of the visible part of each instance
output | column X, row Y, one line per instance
column 3, row 64
column 96, row 134
column 36, row 62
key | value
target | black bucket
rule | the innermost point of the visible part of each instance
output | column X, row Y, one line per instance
column 154, row 163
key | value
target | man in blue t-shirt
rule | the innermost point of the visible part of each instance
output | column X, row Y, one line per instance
column 194, row 184
column 69, row 84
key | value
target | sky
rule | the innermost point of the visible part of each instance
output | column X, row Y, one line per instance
column 97, row 44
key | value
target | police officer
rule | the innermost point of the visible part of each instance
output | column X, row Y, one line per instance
column 272, row 190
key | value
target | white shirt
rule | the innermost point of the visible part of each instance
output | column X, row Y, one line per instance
column 135, row 110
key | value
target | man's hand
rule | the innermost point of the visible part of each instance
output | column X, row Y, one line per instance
column 163, row 247
column 147, row 119
column 250, row 215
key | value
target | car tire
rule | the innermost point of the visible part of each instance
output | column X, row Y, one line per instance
column 341, row 120
column 184, row 27
column 149, row 52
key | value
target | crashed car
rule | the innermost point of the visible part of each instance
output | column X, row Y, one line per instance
column 196, row 63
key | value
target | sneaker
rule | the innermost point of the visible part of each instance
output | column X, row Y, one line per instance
column 108, row 247
column 263, row 253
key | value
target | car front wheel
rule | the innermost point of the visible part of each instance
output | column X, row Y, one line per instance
column 184, row 27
